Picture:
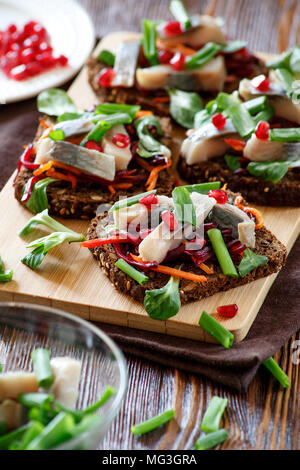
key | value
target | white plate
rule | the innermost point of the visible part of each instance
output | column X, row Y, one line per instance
column 71, row 32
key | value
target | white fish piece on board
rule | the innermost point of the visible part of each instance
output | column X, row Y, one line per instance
column 258, row 150
column 230, row 216
column 125, row 64
column 122, row 155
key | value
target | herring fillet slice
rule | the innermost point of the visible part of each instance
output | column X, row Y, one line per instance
column 90, row 161
column 125, row 64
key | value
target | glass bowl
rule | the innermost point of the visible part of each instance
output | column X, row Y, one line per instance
column 24, row 327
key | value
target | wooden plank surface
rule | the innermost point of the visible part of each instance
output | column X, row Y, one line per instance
column 266, row 417
column 71, row 280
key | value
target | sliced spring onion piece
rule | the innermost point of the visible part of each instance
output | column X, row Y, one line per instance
column 8, row 439
column 278, row 373
column 107, row 57
column 131, row 271
column 202, row 56
column 234, row 46
column 241, row 118
column 224, row 100
column 149, row 41
column 32, row 400
column 213, row 414
column 57, row 431
column 41, row 366
column 222, row 253
column 58, row 134
column 130, row 201
column 184, row 208
column 153, row 423
column 31, row 433
column 285, row 135
column 104, row 125
column 286, row 78
column 264, row 115
column 179, row 12
column 6, row 276
column 201, row 118
column 215, row 329
column 203, row 188
column 112, row 108
column 211, row 440
column 256, row 105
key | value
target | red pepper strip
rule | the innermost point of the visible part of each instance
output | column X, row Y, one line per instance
column 126, row 238
column 142, row 266
column 25, row 159
column 237, row 145
column 29, row 186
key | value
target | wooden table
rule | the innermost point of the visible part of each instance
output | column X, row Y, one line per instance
column 266, row 417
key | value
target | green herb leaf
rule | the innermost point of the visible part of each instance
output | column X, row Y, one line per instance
column 149, row 41
column 38, row 200
column 234, row 46
column 203, row 55
column 107, row 57
column 184, row 106
column 202, row 188
column 163, row 303
column 55, row 102
column 58, row 134
column 201, row 118
column 251, row 261
column 242, row 120
column 184, row 208
column 269, row 171
column 281, row 61
column 112, row 108
column 233, row 162
column 148, row 146
column 71, row 116
column 43, row 218
column 295, row 60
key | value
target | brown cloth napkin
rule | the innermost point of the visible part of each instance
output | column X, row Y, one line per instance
column 278, row 319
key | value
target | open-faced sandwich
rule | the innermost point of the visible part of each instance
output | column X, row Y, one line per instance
column 82, row 159
column 249, row 140
column 188, row 54
column 164, row 251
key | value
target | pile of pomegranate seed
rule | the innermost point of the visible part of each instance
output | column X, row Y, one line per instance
column 149, row 200
column 172, row 28
column 228, row 311
column 106, row 77
column 26, row 52
column 218, row 121
column 170, row 220
column 261, row 83
column 262, row 130
column 219, row 195
column 121, row 140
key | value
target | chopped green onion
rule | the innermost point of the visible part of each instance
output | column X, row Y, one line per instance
column 130, row 201
column 241, row 118
column 179, row 12
column 221, row 252
column 286, row 79
column 278, row 373
column 215, row 329
column 57, row 431
column 41, row 367
column 224, row 100
column 6, row 276
column 3, row 428
column 201, row 118
column 264, row 115
column 184, row 208
column 153, row 423
column 285, row 135
column 88, row 422
column 32, row 400
column 58, row 134
column 234, row 46
column 232, row 161
column 112, row 108
column 149, row 41
column 107, row 57
column 202, row 56
column 256, row 105
column 211, row 440
column 202, row 188
column 108, row 392
column 8, row 439
column 131, row 271
column 213, row 414
column 104, row 125
column 31, row 433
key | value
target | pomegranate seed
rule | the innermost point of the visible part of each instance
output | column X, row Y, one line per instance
column 34, row 68
column 106, row 76
column 12, row 29
column 46, row 59
column 29, row 27
column 261, row 83
column 172, row 28
column 19, row 72
column 121, row 140
column 218, row 121
column 39, row 31
column 149, row 200
column 219, row 195
column 93, row 145
column 27, row 55
column 62, row 60
column 45, row 47
column 170, row 220
column 165, row 56
column 178, row 61
column 262, row 130
column 228, row 311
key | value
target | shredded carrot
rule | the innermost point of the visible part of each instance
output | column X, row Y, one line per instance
column 43, row 168
column 172, row 271
column 61, row 176
column 44, row 124
column 250, row 210
column 143, row 113
column 206, row 268
column 111, row 189
column 50, row 129
column 152, row 180
column 176, row 48
column 122, row 185
column 57, row 164
column 142, row 162
column 224, row 187
column 162, row 99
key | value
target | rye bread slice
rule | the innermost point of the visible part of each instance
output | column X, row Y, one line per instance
column 284, row 193
column 266, row 244
column 83, row 202
column 147, row 101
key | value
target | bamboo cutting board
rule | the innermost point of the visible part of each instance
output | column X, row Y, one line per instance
column 70, row 279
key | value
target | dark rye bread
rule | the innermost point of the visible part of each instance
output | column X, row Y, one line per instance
column 83, row 202
column 266, row 244
column 284, row 193
column 147, row 101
